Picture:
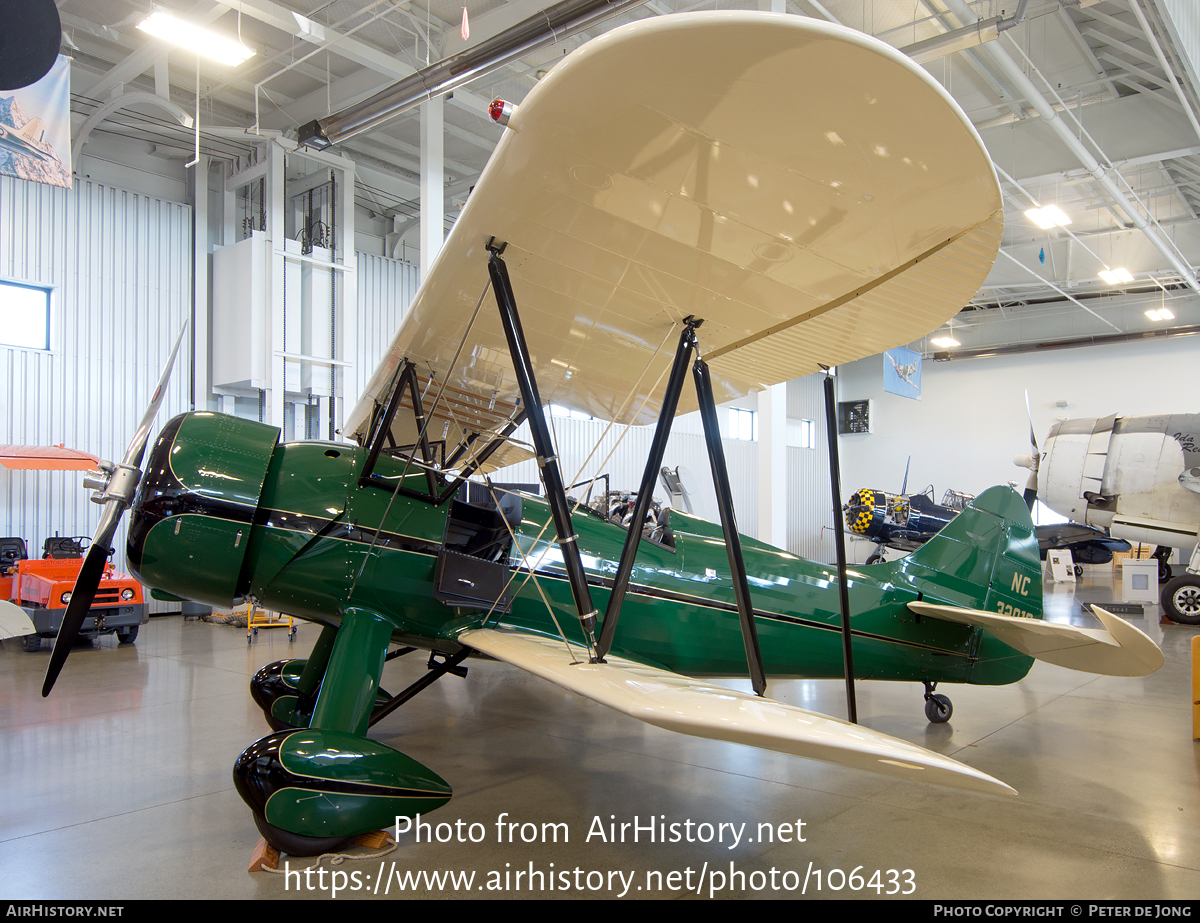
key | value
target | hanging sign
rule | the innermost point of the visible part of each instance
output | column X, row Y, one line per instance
column 902, row 372
column 35, row 129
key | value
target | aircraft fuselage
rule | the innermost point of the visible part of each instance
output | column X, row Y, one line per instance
column 223, row 512
column 1129, row 475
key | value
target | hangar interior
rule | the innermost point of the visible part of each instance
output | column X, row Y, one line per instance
column 192, row 202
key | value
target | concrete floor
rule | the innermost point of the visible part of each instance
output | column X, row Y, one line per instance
column 118, row 786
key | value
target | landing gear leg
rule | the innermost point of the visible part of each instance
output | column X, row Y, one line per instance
column 1161, row 554
column 328, row 782
column 938, row 707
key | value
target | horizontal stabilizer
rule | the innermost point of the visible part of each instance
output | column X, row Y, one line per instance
column 14, row 623
column 1118, row 649
column 677, row 703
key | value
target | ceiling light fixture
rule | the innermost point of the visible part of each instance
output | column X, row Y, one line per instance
column 1049, row 216
column 1160, row 314
column 1116, row 276
column 945, row 342
column 193, row 38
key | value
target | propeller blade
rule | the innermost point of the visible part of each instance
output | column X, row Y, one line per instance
column 1031, row 486
column 1032, row 435
column 118, row 494
column 137, row 445
column 83, row 593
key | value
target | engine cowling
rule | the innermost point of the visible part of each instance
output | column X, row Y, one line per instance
column 190, row 525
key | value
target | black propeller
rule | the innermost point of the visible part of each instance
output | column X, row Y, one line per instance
column 115, row 487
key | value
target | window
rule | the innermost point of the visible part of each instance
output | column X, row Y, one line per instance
column 806, row 434
column 24, row 315
column 743, row 424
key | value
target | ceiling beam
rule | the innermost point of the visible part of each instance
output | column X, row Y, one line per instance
column 141, row 60
column 300, row 26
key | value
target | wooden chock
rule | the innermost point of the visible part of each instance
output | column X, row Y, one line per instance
column 376, row 840
column 265, row 856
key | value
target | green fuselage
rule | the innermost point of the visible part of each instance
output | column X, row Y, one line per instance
column 224, row 512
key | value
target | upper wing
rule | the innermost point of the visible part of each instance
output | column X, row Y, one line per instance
column 689, row 706
column 807, row 190
column 1119, row 649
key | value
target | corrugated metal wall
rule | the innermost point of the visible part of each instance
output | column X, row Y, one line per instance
column 385, row 290
column 1182, row 19
column 120, row 266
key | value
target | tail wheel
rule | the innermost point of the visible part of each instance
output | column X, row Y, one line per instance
column 1181, row 600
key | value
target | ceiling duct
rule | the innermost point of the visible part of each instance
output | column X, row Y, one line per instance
column 985, row 30
column 552, row 24
column 985, row 352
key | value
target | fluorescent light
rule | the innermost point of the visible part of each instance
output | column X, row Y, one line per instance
column 1160, row 314
column 193, row 38
column 1050, row 216
column 1116, row 276
column 945, row 341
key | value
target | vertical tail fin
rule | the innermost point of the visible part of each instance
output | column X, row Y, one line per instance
column 986, row 558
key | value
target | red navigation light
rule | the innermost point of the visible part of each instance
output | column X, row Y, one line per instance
column 501, row 111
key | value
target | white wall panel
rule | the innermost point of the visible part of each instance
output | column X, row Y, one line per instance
column 810, row 501
column 120, row 267
column 385, row 290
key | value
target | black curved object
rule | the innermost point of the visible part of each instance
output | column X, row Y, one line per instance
column 29, row 41
column 82, row 595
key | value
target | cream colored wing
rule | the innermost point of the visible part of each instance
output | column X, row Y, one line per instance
column 677, row 703
column 1119, row 649
column 807, row 190
column 14, row 622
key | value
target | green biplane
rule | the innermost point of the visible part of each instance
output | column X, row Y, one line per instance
column 677, row 205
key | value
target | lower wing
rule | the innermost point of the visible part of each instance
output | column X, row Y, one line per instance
column 677, row 703
column 14, row 623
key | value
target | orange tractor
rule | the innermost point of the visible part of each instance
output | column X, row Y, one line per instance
column 42, row 587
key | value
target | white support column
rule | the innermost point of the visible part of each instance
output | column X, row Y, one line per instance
column 275, row 232
column 772, row 466
column 201, row 306
column 347, row 317
column 346, row 395
column 162, row 86
column 433, row 184
column 228, row 209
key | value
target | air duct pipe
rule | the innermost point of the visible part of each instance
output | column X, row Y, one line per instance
column 545, row 27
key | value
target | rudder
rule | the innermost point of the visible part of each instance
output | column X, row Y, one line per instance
column 986, row 558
